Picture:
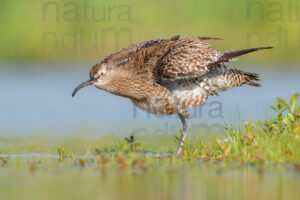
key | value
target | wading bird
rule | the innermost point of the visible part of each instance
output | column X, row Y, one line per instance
column 168, row 76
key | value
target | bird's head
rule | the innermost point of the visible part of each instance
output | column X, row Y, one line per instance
column 99, row 77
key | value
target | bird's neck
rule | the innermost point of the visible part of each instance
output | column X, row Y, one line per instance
column 126, row 85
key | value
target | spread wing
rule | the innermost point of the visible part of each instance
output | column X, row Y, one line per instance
column 124, row 55
column 192, row 57
column 189, row 58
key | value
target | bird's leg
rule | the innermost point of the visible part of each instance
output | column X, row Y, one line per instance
column 186, row 128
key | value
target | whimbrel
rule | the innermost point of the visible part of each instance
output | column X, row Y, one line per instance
column 168, row 76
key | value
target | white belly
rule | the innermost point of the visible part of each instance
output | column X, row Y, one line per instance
column 194, row 92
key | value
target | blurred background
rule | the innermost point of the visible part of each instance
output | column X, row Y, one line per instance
column 48, row 46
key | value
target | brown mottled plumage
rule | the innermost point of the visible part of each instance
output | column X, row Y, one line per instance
column 168, row 76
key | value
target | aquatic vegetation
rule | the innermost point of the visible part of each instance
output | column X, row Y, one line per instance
column 275, row 139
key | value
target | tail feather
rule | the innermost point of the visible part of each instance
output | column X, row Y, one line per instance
column 250, row 78
column 238, row 78
column 229, row 55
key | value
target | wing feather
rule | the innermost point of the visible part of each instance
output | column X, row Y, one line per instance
column 130, row 51
column 189, row 58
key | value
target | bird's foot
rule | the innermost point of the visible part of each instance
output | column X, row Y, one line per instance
column 179, row 151
column 186, row 127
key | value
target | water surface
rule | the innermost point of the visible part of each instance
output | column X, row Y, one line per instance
column 36, row 98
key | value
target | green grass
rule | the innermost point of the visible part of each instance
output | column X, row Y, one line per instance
column 241, row 23
column 259, row 160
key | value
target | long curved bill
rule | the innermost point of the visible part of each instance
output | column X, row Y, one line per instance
column 85, row 83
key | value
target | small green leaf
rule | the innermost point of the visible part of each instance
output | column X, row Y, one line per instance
column 274, row 108
column 259, row 123
column 294, row 101
column 283, row 101
column 278, row 104
column 285, row 119
column 291, row 117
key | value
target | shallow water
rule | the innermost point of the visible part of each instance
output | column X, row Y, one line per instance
column 164, row 180
column 152, row 154
column 38, row 100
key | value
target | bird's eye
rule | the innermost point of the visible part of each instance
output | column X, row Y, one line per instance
column 102, row 72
